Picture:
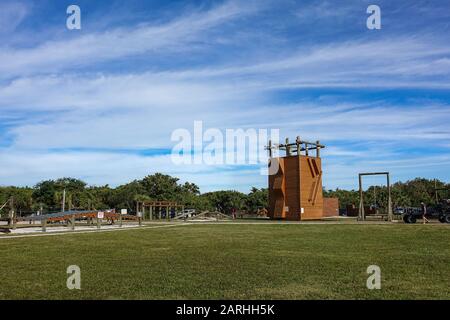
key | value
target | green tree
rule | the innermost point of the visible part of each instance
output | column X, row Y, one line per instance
column 226, row 201
column 161, row 187
column 257, row 199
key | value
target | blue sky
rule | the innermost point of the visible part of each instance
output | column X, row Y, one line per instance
column 100, row 103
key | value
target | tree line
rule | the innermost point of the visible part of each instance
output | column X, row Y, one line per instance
column 47, row 195
column 403, row 194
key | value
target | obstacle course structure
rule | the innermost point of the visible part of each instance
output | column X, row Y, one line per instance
column 70, row 218
column 208, row 216
column 362, row 210
column 152, row 210
column 295, row 187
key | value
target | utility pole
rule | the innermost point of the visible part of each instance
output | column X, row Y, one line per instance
column 64, row 200
column 375, row 196
column 12, row 213
column 436, row 196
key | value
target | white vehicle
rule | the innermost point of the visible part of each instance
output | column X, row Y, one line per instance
column 188, row 213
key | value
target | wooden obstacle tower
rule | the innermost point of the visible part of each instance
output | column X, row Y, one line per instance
column 295, row 181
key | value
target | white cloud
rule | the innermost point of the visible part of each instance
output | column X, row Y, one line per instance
column 92, row 48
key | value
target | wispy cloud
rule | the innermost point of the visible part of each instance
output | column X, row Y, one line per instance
column 177, row 35
column 12, row 14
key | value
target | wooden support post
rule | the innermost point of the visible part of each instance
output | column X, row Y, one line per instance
column 306, row 149
column 151, row 212
column 318, row 149
column 270, row 148
column 390, row 213
column 72, row 223
column 167, row 213
column 98, row 223
column 288, row 148
column 297, row 142
column 140, row 221
column 361, row 213
column 120, row 219
column 44, row 225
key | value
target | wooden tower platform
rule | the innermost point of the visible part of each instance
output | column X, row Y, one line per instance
column 295, row 189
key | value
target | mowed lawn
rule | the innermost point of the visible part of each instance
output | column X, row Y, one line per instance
column 232, row 261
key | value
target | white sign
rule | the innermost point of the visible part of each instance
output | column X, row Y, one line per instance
column 100, row 215
column 302, row 211
column 123, row 211
column 139, row 214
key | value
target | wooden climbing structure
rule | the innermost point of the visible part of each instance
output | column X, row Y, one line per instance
column 151, row 210
column 295, row 186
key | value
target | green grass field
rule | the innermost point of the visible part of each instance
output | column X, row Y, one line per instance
column 232, row 261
